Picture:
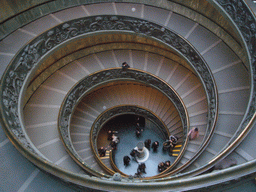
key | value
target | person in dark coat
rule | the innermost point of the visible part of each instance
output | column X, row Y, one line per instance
column 138, row 174
column 102, row 151
column 155, row 145
column 161, row 167
column 134, row 154
column 125, row 65
column 167, row 164
column 140, row 121
column 110, row 133
column 147, row 143
column 113, row 144
column 138, row 133
column 138, row 130
column 126, row 160
column 139, row 127
column 173, row 141
column 142, row 168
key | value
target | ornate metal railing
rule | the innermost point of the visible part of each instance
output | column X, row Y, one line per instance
column 245, row 22
column 91, row 82
column 116, row 111
column 14, row 80
column 122, row 110
column 113, row 164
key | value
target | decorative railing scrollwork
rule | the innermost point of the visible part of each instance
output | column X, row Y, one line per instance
column 122, row 110
column 126, row 109
column 26, row 60
column 20, row 70
column 90, row 82
column 246, row 23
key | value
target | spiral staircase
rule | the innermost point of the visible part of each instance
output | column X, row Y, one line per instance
column 192, row 64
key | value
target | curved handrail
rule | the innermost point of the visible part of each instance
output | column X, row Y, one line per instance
column 97, row 79
column 33, row 6
column 112, row 162
column 247, row 30
column 137, row 112
column 246, row 167
column 172, row 7
column 20, row 69
column 250, row 115
column 87, row 181
column 104, row 42
column 116, row 111
column 171, row 170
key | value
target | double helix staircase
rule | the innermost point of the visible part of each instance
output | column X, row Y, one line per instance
column 71, row 61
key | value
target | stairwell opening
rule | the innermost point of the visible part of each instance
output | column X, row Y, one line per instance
column 124, row 127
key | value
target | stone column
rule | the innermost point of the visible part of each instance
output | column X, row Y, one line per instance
column 140, row 149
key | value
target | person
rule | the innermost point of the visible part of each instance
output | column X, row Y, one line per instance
column 125, row 65
column 139, row 127
column 167, row 164
column 138, row 133
column 110, row 133
column 193, row 133
column 141, row 168
column 138, row 174
column 102, row 151
column 138, row 130
column 140, row 121
column 126, row 160
column 115, row 138
column 161, row 167
column 155, row 145
column 225, row 163
column 172, row 142
column 113, row 144
column 134, row 154
column 147, row 143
